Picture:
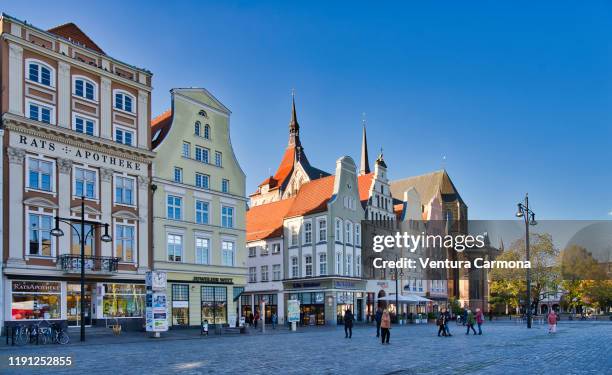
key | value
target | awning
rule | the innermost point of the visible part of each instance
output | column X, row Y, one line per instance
column 409, row 298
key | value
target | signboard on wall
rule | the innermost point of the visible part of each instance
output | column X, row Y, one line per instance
column 293, row 310
column 156, row 302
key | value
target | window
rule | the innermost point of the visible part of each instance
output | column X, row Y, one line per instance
column 84, row 125
column 175, row 248
column 349, row 265
column 307, row 233
column 178, row 174
column 252, row 251
column 264, row 250
column 214, row 304
column 227, row 217
column 276, row 272
column 84, row 88
column 124, row 242
column 358, row 234
column 40, row 73
column 85, row 183
column 186, row 149
column 294, row 267
column 338, row 263
column 349, row 232
column 322, row 223
column 124, row 101
column 197, row 128
column 201, row 154
column 322, row 264
column 358, row 265
column 308, row 264
column 89, row 244
column 123, row 300
column 40, row 235
column 35, row 300
column 124, row 190
column 264, row 273
column 225, row 186
column 180, row 304
column 40, row 112
column 202, row 245
column 40, row 174
column 276, row 248
column 252, row 274
column 207, row 131
column 218, row 159
column 174, row 207
column 201, row 212
column 227, row 249
column 338, row 230
column 124, row 136
column 202, row 180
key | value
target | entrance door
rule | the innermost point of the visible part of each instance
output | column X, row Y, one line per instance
column 359, row 310
column 73, row 304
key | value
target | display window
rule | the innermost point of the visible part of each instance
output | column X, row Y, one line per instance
column 180, row 304
column 214, row 304
column 124, row 300
column 36, row 300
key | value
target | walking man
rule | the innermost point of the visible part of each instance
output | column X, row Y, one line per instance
column 274, row 320
column 348, row 324
column 447, row 318
column 440, row 322
column 552, row 322
column 470, row 322
column 378, row 318
column 479, row 320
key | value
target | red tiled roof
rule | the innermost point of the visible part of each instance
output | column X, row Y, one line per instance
column 72, row 32
column 266, row 220
column 365, row 182
column 160, row 127
column 312, row 197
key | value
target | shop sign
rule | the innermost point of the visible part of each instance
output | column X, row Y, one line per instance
column 319, row 298
column 212, row 280
column 36, row 287
column 293, row 310
column 383, row 284
column 180, row 304
column 306, row 285
column 345, row 285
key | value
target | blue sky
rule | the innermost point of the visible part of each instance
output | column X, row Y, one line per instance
column 516, row 95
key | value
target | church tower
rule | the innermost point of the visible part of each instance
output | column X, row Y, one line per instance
column 364, row 165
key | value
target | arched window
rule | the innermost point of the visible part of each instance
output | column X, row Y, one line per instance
column 197, row 128
column 124, row 101
column 84, row 88
column 40, row 72
column 207, row 131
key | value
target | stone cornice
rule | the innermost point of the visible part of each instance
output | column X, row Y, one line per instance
column 67, row 136
column 82, row 65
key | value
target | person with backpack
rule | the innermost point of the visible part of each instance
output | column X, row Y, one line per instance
column 348, row 324
column 385, row 325
column 479, row 320
column 470, row 322
column 378, row 318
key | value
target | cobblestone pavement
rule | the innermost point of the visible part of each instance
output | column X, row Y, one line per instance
column 504, row 348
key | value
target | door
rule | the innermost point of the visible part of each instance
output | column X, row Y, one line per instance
column 73, row 304
column 359, row 310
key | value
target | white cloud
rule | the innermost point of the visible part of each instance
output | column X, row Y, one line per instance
column 610, row 213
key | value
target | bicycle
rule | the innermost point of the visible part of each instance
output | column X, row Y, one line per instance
column 21, row 334
column 59, row 336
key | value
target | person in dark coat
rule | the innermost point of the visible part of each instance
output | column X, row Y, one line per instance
column 440, row 323
column 378, row 318
column 447, row 318
column 348, row 324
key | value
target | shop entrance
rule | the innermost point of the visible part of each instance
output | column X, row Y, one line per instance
column 73, row 304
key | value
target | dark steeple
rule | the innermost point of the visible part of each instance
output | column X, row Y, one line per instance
column 364, row 165
column 294, row 127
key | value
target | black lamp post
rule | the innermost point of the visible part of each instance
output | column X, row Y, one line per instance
column 529, row 216
column 396, row 275
column 57, row 232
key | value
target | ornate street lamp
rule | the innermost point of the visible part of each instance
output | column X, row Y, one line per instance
column 529, row 217
column 83, row 237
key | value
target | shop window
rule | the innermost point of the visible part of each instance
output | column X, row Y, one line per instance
column 123, row 301
column 35, row 300
column 214, row 304
column 180, row 304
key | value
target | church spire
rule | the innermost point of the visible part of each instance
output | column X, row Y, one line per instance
column 294, row 127
column 364, row 165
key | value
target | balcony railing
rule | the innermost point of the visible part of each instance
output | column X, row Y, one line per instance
column 71, row 263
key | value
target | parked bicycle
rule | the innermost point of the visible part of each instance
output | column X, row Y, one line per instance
column 52, row 333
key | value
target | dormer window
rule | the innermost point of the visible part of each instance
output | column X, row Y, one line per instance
column 84, row 88
column 41, row 73
column 124, row 101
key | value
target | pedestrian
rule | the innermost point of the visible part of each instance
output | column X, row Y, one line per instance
column 464, row 315
column 490, row 315
column 378, row 318
column 479, row 320
column 470, row 322
column 251, row 318
column 274, row 320
column 552, row 322
column 440, row 323
column 256, row 319
column 348, row 324
column 447, row 318
column 385, row 326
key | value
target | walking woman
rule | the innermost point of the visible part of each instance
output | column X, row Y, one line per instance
column 470, row 322
column 385, row 326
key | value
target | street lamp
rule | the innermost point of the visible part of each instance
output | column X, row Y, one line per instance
column 529, row 217
column 396, row 275
column 58, row 232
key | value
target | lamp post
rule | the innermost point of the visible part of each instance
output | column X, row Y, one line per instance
column 57, row 232
column 396, row 275
column 529, row 216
